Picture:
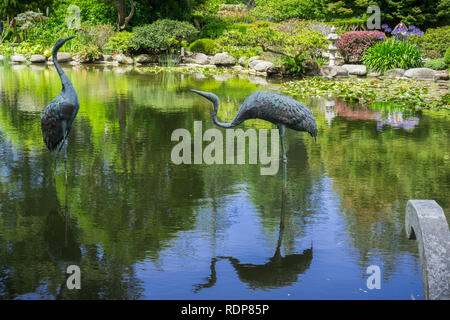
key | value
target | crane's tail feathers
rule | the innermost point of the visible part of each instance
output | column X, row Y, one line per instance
column 208, row 95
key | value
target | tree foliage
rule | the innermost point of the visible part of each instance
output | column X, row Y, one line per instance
column 162, row 35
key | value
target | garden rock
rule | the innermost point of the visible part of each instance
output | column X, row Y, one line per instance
column 333, row 71
column 253, row 62
column 394, row 73
column 38, row 58
column 339, row 61
column 18, row 59
column 198, row 58
column 147, row 58
column 122, row 59
column 258, row 80
column 355, row 69
column 223, row 59
column 255, row 58
column 62, row 57
column 262, row 66
column 242, row 61
column 420, row 74
column 310, row 67
column 274, row 71
column 441, row 76
column 374, row 74
column 107, row 57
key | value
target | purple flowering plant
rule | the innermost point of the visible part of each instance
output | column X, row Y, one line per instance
column 401, row 31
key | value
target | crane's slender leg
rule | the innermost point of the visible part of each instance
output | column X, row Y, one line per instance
column 283, row 213
column 65, row 158
column 282, row 129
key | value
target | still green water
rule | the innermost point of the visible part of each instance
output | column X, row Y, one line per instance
column 141, row 227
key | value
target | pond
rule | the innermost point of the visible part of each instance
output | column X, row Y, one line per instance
column 140, row 226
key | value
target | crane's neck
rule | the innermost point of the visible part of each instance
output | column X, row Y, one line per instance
column 215, row 100
column 216, row 121
column 64, row 79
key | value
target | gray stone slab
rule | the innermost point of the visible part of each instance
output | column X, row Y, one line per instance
column 425, row 221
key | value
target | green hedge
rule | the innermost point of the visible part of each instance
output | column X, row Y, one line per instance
column 447, row 56
column 436, row 64
column 434, row 42
column 206, row 46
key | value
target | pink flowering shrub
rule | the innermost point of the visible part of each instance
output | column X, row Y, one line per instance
column 353, row 44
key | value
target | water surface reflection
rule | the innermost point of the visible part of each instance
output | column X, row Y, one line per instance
column 140, row 226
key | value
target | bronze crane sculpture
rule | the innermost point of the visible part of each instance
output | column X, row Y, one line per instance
column 281, row 110
column 58, row 117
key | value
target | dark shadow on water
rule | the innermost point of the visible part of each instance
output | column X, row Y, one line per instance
column 61, row 238
column 279, row 271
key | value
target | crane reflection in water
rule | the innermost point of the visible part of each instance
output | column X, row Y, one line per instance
column 278, row 271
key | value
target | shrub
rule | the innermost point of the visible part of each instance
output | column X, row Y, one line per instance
column 234, row 38
column 206, row 46
column 292, row 65
column 92, row 11
column 391, row 54
column 268, row 37
column 351, row 24
column 88, row 52
column 213, row 30
column 305, row 40
column 30, row 48
column 434, row 42
column 96, row 34
column 120, row 42
column 282, row 10
column 436, row 64
column 353, row 44
column 447, row 56
column 235, row 13
column 162, row 35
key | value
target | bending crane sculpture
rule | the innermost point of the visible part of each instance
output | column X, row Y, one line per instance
column 58, row 116
column 283, row 111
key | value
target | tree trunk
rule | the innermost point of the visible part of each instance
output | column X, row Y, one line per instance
column 122, row 18
column 16, row 34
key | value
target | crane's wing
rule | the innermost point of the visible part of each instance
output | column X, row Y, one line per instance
column 56, row 122
column 278, row 109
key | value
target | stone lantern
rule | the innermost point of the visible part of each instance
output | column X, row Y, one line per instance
column 332, row 47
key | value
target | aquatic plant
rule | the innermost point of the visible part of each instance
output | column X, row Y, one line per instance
column 404, row 93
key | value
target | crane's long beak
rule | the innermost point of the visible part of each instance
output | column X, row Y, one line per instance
column 69, row 38
column 208, row 95
column 202, row 93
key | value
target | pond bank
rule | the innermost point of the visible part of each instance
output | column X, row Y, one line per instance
column 256, row 65
column 400, row 87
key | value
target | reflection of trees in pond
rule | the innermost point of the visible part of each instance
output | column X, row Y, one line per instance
column 265, row 190
column 385, row 114
column 38, row 240
column 377, row 172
